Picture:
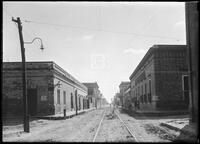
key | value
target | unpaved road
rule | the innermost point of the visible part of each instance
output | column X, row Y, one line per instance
column 112, row 130
column 82, row 128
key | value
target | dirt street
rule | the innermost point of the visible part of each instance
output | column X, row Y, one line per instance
column 112, row 130
column 79, row 128
column 82, row 128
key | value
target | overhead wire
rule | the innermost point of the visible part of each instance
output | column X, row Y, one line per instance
column 91, row 29
column 34, row 33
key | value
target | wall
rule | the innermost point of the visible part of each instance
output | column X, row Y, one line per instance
column 170, row 66
column 38, row 77
column 147, row 70
column 69, row 87
column 192, row 36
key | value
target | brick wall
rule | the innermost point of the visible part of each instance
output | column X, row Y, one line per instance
column 12, row 88
column 170, row 66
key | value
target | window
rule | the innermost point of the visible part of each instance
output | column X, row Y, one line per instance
column 185, row 83
column 136, row 92
column 58, row 96
column 145, row 90
column 79, row 102
column 149, row 90
column 139, row 91
column 142, row 94
column 64, row 97
column 43, row 98
column 90, row 91
column 72, row 103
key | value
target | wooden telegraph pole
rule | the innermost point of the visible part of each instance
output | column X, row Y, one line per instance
column 25, row 104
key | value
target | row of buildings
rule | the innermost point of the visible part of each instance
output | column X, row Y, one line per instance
column 159, row 82
column 167, row 76
column 50, row 90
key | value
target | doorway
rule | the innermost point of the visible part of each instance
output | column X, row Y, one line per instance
column 32, row 101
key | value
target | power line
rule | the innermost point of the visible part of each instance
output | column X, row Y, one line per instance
column 34, row 33
column 77, row 27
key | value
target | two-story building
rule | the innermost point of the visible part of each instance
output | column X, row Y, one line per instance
column 122, row 87
column 160, row 81
column 93, row 94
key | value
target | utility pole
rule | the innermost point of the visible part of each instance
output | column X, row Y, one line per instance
column 25, row 104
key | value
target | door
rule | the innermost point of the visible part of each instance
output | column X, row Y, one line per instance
column 32, row 101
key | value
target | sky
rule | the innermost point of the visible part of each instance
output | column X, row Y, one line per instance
column 99, row 42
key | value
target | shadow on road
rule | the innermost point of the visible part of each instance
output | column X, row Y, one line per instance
column 152, row 116
column 13, row 121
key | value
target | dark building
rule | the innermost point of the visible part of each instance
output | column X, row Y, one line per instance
column 50, row 89
column 160, row 81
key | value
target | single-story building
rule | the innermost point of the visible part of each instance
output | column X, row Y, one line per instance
column 50, row 89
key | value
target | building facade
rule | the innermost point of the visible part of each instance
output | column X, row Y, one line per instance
column 117, row 100
column 93, row 94
column 50, row 89
column 122, row 87
column 160, row 81
column 127, row 98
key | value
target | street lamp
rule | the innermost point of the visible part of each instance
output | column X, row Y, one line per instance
column 41, row 47
column 26, row 114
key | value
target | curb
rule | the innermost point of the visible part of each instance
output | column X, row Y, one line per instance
column 177, row 129
column 62, row 117
column 170, row 127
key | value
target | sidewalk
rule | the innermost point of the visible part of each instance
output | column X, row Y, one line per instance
column 69, row 114
column 183, row 126
column 161, row 113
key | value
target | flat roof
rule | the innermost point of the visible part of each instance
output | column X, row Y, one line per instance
column 152, row 50
column 53, row 63
column 94, row 84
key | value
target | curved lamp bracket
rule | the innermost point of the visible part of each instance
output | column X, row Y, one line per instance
column 41, row 47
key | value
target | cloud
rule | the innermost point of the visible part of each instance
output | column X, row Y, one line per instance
column 87, row 37
column 68, row 39
column 134, row 51
column 180, row 24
